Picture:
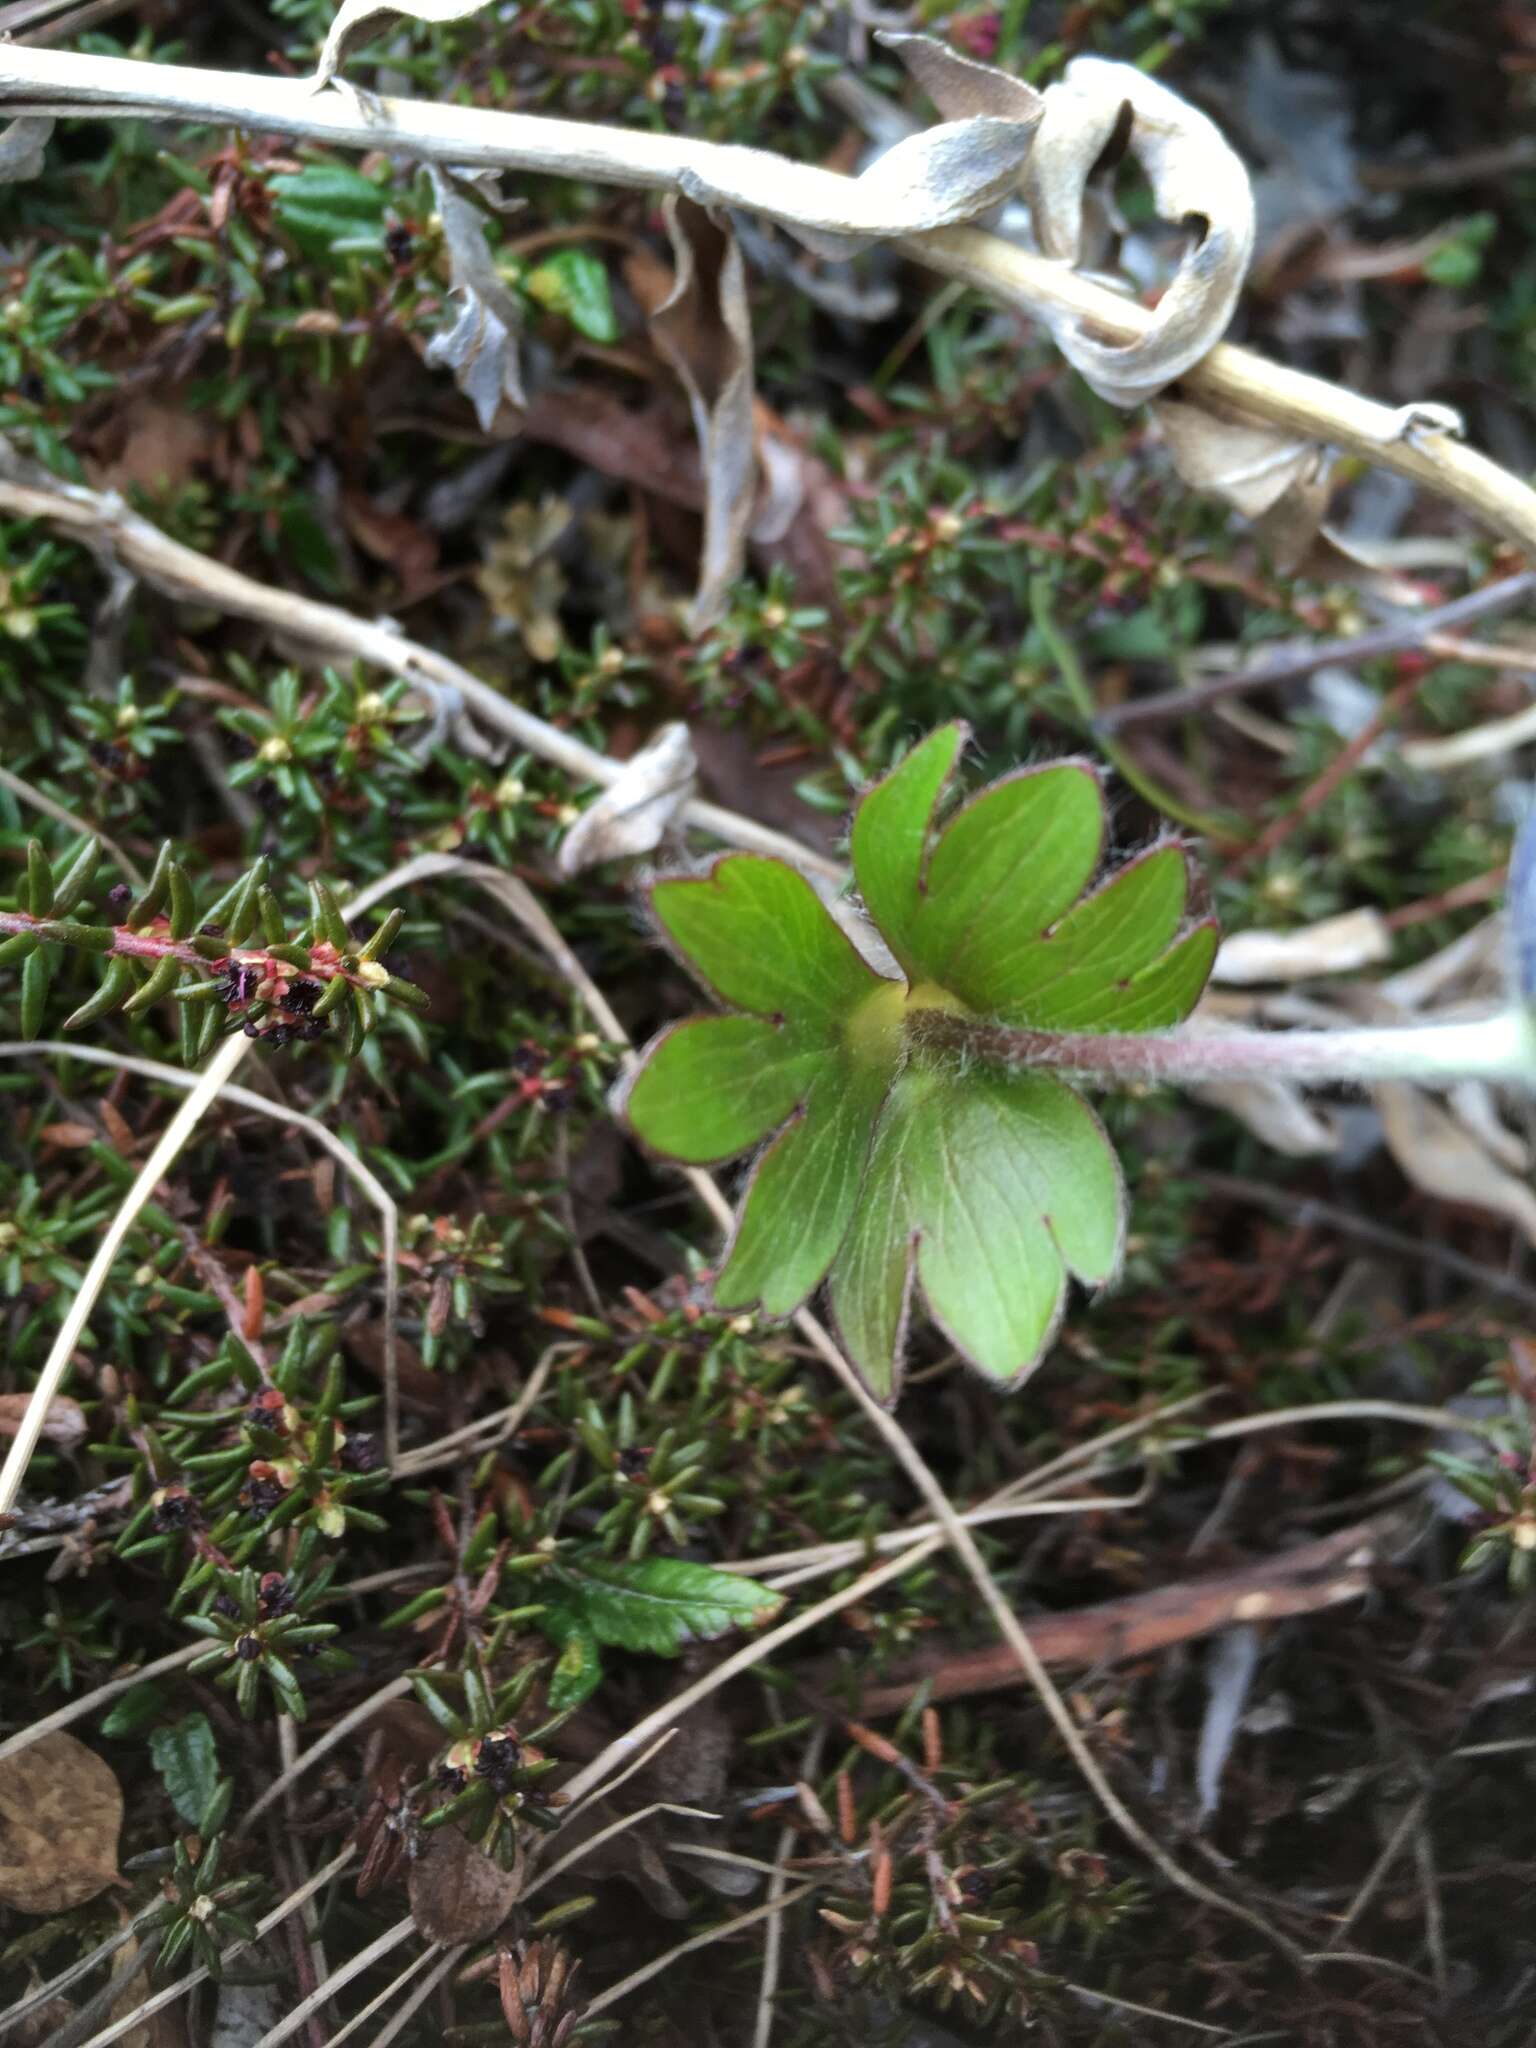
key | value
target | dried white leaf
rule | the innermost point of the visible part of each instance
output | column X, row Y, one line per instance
column 1269, row 476
column 480, row 346
column 1473, row 1106
column 704, row 331
column 22, row 146
column 352, row 13
column 1197, row 181
column 1440, row 1157
column 632, row 815
column 1336, row 945
column 1229, row 1667
column 1276, row 1112
column 940, row 177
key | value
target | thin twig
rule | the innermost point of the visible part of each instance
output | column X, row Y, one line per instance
column 1293, row 665
column 102, row 520
column 305, row 1760
column 171, row 1992
column 40, row 801
column 710, row 1935
column 354, row 1966
column 773, row 1939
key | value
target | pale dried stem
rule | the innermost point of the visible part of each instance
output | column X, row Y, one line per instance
column 102, row 520
column 247, row 1098
column 710, row 1935
column 68, row 83
column 778, row 1884
column 418, row 1998
column 171, row 1992
column 205, row 1088
column 354, row 1966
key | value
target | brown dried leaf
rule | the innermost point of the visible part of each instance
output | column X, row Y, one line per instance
column 704, row 331
column 1197, row 182
column 64, row 1423
column 632, row 815
column 60, row 1813
column 457, row 1893
column 68, row 1137
column 480, row 347
column 353, row 13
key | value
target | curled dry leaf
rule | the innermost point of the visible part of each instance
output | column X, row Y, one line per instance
column 1197, row 181
column 480, row 347
column 457, row 1892
column 1272, row 478
column 60, row 1813
column 633, row 814
column 22, row 145
column 704, row 331
column 63, row 1425
column 941, row 177
column 1335, row 945
column 1440, row 1156
column 353, row 13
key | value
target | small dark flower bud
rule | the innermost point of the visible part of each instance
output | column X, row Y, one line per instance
column 360, row 1453
column 247, row 1648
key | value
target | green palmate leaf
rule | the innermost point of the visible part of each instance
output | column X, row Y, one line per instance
column 891, row 1163
column 715, row 1085
column 761, row 937
column 188, row 1764
column 998, row 1185
column 657, row 1604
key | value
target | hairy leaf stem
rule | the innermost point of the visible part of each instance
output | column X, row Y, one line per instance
column 1498, row 1047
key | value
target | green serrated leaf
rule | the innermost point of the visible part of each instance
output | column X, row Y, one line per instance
column 761, row 937
column 998, row 1186
column 895, row 1161
column 712, row 1086
column 658, row 1604
column 889, row 840
column 802, row 1194
column 187, row 1760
